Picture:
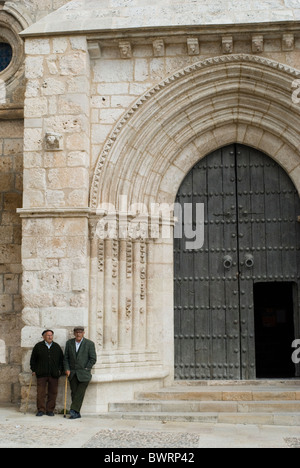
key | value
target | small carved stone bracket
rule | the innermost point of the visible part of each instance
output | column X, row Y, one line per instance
column 53, row 142
column 193, row 46
column 227, row 44
column 257, row 43
column 158, row 48
column 125, row 49
column 288, row 42
column 94, row 50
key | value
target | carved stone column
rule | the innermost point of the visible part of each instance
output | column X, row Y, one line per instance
column 123, row 330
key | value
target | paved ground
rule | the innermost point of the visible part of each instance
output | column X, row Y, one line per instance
column 20, row 431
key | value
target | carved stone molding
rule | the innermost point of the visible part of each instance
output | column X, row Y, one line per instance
column 282, row 37
column 119, row 296
column 11, row 112
column 10, row 29
column 54, row 213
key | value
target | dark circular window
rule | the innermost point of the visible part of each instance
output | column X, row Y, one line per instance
column 5, row 55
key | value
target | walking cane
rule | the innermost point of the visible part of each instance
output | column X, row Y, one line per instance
column 27, row 400
column 66, row 390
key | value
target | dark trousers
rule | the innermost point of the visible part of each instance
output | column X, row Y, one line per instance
column 78, row 390
column 46, row 403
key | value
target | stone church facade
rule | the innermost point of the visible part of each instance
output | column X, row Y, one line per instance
column 105, row 108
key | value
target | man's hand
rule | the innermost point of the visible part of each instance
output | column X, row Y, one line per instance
column 68, row 373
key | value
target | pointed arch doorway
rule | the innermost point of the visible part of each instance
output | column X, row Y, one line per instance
column 236, row 299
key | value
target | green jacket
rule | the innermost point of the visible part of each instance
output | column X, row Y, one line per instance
column 81, row 363
column 47, row 362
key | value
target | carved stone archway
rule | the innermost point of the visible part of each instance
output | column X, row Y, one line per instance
column 238, row 98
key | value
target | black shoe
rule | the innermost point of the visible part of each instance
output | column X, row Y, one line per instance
column 40, row 413
column 74, row 414
column 50, row 413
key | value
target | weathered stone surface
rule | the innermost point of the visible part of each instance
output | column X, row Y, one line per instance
column 125, row 114
column 79, row 15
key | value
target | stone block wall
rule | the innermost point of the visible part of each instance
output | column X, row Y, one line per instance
column 55, row 249
column 15, row 15
column 11, row 176
column 56, row 172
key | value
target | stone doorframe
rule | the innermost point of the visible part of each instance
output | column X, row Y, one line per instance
column 229, row 99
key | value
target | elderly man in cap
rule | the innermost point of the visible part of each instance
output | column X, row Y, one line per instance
column 80, row 357
column 47, row 364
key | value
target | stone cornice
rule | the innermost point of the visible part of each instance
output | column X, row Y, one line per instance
column 11, row 112
column 54, row 212
column 207, row 32
column 174, row 32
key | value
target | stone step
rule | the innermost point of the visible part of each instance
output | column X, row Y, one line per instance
column 275, row 402
column 239, row 383
column 289, row 406
column 219, row 394
column 278, row 419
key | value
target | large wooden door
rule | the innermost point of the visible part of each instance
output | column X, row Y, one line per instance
column 251, row 236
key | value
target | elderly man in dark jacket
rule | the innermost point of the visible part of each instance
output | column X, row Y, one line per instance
column 47, row 364
column 80, row 357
